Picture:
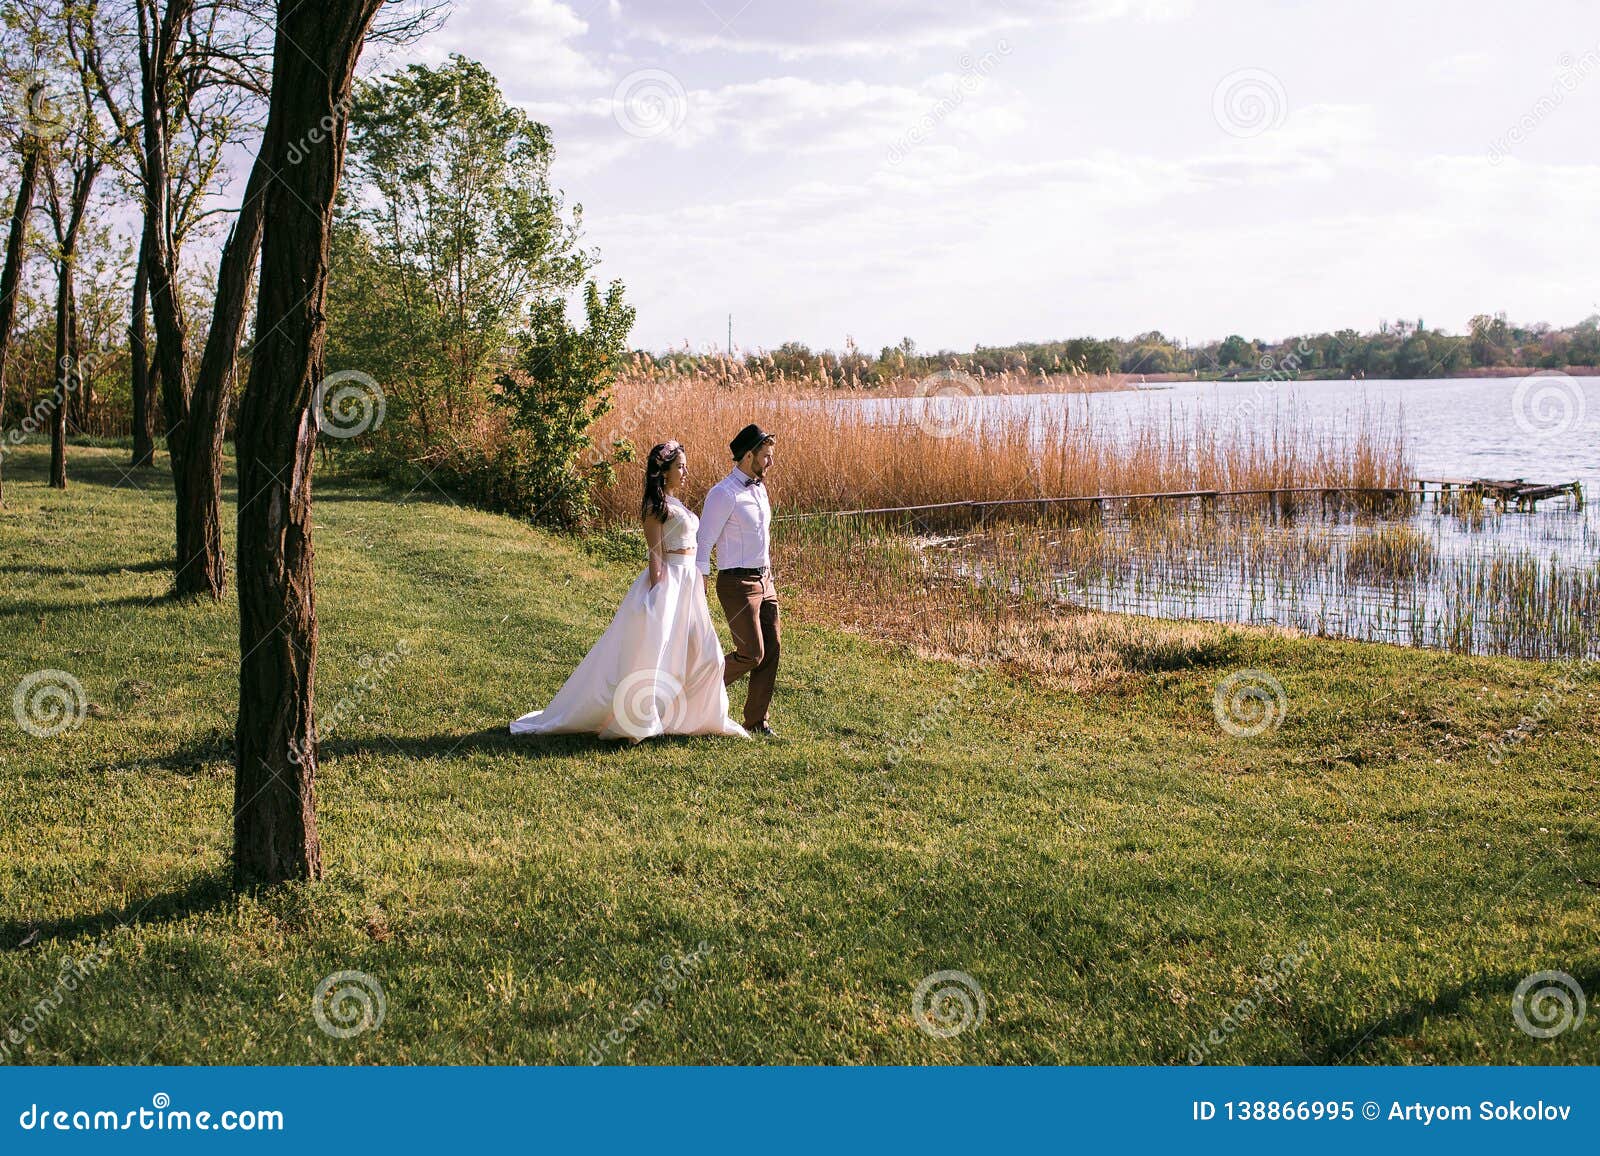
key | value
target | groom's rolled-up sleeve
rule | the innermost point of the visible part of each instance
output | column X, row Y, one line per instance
column 718, row 508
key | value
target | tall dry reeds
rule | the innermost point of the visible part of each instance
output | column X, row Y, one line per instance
column 837, row 452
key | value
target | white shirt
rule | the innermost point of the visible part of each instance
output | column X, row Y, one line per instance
column 736, row 522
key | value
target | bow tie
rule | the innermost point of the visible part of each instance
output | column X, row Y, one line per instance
column 752, row 482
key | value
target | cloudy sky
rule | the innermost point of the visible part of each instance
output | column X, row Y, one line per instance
column 966, row 172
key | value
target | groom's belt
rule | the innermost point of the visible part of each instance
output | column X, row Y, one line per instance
column 743, row 571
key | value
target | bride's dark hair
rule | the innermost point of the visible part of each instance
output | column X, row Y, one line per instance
column 655, row 479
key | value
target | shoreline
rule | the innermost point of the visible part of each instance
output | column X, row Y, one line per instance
column 1135, row 380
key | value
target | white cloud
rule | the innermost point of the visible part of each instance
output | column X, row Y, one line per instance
column 954, row 254
column 530, row 45
column 792, row 115
column 836, row 170
column 866, row 28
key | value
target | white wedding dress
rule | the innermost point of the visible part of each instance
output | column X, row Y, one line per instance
column 657, row 670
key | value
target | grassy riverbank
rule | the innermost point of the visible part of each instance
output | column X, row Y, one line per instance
column 1114, row 869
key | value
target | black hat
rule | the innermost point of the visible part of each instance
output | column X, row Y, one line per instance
column 748, row 439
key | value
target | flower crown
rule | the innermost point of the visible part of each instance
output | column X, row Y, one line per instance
column 662, row 456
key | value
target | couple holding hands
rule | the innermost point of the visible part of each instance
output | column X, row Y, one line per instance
column 659, row 667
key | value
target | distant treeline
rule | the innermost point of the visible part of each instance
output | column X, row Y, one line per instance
column 1398, row 349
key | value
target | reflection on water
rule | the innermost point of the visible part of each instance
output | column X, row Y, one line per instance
column 1428, row 579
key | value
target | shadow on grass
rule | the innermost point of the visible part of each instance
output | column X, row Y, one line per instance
column 376, row 492
column 192, row 758
column 36, row 609
column 492, row 740
column 149, row 566
column 110, row 468
column 1404, row 1022
column 208, row 892
column 189, row 760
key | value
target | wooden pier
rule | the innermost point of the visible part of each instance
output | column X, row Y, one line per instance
column 1207, row 497
column 1516, row 492
column 1503, row 492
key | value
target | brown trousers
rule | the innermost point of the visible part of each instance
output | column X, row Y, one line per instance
column 750, row 602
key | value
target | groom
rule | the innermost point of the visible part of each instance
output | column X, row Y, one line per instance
column 737, row 522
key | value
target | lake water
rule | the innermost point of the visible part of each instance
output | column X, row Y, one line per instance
column 1546, row 430
column 1517, row 583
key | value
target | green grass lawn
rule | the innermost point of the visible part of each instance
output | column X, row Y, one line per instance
column 1114, row 871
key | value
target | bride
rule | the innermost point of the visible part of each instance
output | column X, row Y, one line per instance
column 658, row 667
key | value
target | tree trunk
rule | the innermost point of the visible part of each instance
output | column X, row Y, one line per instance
column 160, row 41
column 12, row 272
column 200, row 519
column 275, row 823
column 77, row 393
column 83, row 387
column 143, row 383
column 76, row 386
column 156, row 242
column 63, row 390
column 68, row 223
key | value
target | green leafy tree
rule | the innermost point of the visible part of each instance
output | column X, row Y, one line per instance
column 453, row 202
column 1088, row 355
column 559, row 387
column 1236, row 351
column 1491, row 339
